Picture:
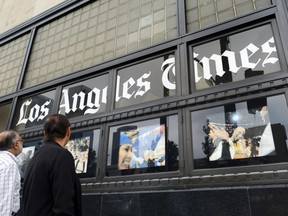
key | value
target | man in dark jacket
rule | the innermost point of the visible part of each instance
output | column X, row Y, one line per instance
column 51, row 186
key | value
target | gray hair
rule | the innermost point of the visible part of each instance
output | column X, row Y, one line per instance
column 7, row 138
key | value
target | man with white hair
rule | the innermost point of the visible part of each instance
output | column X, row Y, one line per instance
column 11, row 145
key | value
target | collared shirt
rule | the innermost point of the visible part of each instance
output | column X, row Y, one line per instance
column 9, row 184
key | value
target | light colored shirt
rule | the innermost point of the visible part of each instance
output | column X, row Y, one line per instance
column 9, row 184
column 266, row 145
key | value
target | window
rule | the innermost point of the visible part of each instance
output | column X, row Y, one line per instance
column 28, row 151
column 147, row 81
column 4, row 110
column 96, row 33
column 84, row 148
column 143, row 147
column 32, row 111
column 238, row 134
column 204, row 13
column 12, row 55
column 87, row 97
column 82, row 145
column 235, row 57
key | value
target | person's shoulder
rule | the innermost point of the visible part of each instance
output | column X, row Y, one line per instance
column 49, row 147
column 53, row 152
column 6, row 158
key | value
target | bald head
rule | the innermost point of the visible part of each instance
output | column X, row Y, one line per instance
column 11, row 141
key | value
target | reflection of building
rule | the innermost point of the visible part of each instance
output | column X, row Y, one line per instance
column 76, row 100
column 32, row 111
column 240, row 44
column 38, row 100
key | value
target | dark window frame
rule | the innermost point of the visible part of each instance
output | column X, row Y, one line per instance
column 231, row 31
column 143, row 59
column 84, row 177
column 234, row 169
column 83, row 79
column 17, row 106
column 9, row 113
column 104, row 150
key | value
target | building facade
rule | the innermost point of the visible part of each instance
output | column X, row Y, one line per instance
column 177, row 107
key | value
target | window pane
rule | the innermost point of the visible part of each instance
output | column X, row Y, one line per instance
column 33, row 110
column 4, row 110
column 29, row 149
column 203, row 13
column 143, row 147
column 11, row 59
column 98, row 32
column 84, row 148
column 244, row 133
column 148, row 81
column 87, row 97
column 235, row 57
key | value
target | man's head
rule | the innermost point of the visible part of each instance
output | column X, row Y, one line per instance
column 11, row 141
column 57, row 128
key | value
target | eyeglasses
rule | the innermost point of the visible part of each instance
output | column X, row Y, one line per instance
column 19, row 140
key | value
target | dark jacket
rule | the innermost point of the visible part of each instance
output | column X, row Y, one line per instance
column 51, row 187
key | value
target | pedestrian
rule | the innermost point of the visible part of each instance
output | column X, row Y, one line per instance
column 11, row 145
column 51, row 186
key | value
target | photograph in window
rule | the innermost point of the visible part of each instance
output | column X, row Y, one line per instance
column 29, row 150
column 24, row 158
column 249, row 132
column 79, row 148
column 148, row 142
column 143, row 147
column 83, row 146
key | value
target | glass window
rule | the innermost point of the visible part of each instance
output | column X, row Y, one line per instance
column 147, row 81
column 87, row 97
column 84, row 148
column 235, row 57
column 4, row 110
column 203, row 13
column 32, row 111
column 96, row 33
column 144, row 147
column 11, row 61
column 82, row 145
column 238, row 134
column 29, row 149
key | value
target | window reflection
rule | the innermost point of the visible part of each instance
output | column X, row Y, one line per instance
column 250, row 132
column 28, row 151
column 148, row 81
column 84, row 147
column 4, row 110
column 87, row 97
column 32, row 111
column 235, row 57
column 143, row 147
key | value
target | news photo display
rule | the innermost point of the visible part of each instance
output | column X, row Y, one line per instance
column 141, row 147
column 244, row 133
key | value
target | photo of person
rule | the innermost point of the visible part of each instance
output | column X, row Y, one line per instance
column 243, row 132
column 24, row 158
column 125, row 152
column 142, row 147
column 79, row 148
column 238, row 145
